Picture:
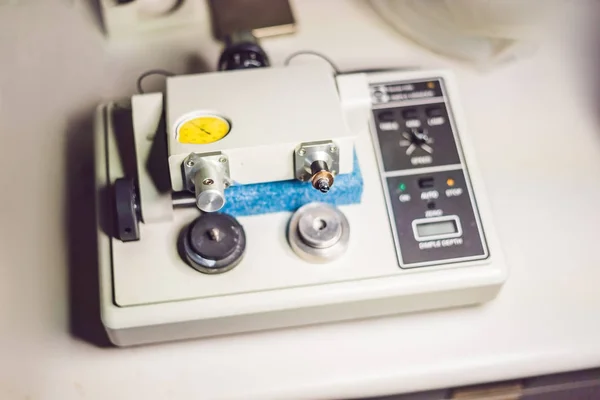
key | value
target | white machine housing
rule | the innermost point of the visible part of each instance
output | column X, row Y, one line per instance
column 272, row 111
column 149, row 294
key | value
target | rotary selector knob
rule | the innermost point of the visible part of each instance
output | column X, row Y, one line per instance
column 416, row 138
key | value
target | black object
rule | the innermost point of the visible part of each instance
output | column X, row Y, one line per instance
column 241, row 52
column 418, row 137
column 414, row 195
column 127, row 208
column 426, row 182
column 386, row 116
column 214, row 243
column 410, row 113
column 433, row 112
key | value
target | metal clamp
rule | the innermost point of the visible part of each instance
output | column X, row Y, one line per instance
column 207, row 175
column 317, row 162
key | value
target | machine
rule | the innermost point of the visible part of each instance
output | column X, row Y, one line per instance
column 268, row 197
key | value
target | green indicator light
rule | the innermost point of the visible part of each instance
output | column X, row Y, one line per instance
column 402, row 187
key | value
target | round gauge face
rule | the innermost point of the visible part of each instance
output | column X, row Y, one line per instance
column 202, row 129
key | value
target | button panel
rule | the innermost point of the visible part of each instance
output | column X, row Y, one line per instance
column 416, row 204
column 400, row 133
column 432, row 209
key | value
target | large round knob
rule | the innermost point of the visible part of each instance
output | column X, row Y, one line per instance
column 214, row 243
column 319, row 232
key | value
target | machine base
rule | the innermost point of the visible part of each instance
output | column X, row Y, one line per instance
column 149, row 294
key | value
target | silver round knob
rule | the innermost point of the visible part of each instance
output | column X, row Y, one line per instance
column 320, row 227
column 210, row 188
column 319, row 232
column 210, row 200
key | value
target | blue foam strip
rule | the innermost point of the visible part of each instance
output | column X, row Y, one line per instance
column 264, row 198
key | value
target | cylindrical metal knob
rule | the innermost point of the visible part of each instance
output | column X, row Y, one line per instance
column 210, row 193
column 209, row 185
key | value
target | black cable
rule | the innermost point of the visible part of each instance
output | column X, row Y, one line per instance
column 312, row 53
column 149, row 73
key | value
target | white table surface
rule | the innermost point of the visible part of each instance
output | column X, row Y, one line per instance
column 534, row 123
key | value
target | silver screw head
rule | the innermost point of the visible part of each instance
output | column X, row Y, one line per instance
column 215, row 234
column 333, row 149
column 208, row 181
column 301, row 152
column 323, row 185
column 189, row 163
column 222, row 159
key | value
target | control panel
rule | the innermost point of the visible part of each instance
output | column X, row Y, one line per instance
column 431, row 205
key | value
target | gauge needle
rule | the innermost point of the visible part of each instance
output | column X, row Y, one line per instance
column 200, row 127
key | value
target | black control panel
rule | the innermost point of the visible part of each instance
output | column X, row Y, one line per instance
column 421, row 140
column 431, row 205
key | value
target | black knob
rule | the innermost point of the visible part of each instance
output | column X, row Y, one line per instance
column 214, row 243
column 242, row 56
column 416, row 139
column 419, row 137
column 242, row 51
column 127, row 210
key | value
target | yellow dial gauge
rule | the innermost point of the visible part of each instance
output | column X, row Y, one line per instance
column 202, row 129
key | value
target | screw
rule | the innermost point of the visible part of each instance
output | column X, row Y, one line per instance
column 226, row 184
column 222, row 159
column 190, row 163
column 208, row 181
column 301, row 152
column 323, row 185
column 333, row 149
column 214, row 234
